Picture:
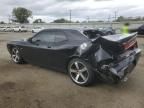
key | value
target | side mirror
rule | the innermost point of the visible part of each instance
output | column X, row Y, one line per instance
column 30, row 40
column 36, row 41
column 33, row 41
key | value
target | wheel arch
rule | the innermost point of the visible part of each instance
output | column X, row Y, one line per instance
column 68, row 61
column 90, row 72
column 73, row 57
column 10, row 47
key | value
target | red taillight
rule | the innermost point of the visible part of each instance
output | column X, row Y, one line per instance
column 130, row 44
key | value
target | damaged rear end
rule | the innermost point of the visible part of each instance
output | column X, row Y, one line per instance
column 117, row 56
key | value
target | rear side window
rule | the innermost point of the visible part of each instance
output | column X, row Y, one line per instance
column 60, row 37
column 75, row 35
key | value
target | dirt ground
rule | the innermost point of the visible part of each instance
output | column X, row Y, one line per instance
column 28, row 86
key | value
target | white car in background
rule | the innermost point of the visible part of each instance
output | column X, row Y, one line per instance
column 2, row 29
column 8, row 29
column 37, row 29
column 20, row 29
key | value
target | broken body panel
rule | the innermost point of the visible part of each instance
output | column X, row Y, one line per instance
column 116, row 55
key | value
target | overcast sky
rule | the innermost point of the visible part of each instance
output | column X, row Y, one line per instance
column 49, row 10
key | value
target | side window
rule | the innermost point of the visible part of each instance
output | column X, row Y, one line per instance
column 60, row 37
column 75, row 35
column 44, row 37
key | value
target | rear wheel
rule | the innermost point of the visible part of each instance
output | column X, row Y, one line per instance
column 80, row 72
column 15, row 55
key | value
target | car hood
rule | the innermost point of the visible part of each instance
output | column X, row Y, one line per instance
column 17, row 41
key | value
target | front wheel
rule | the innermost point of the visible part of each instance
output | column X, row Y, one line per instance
column 80, row 72
column 15, row 55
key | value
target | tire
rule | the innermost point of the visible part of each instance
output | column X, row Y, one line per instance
column 80, row 72
column 116, row 80
column 15, row 55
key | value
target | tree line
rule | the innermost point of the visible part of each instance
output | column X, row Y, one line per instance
column 122, row 18
column 21, row 15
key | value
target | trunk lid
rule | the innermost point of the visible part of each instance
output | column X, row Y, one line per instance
column 117, row 44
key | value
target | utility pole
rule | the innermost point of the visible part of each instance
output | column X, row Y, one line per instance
column 9, row 18
column 70, row 11
column 88, row 19
column 115, row 15
column 109, row 17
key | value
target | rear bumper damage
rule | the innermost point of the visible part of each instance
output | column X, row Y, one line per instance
column 117, row 70
column 124, row 67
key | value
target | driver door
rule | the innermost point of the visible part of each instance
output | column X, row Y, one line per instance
column 38, row 49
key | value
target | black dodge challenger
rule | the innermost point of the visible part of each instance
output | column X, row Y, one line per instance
column 110, row 58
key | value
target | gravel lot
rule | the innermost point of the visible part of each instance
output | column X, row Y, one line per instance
column 28, row 86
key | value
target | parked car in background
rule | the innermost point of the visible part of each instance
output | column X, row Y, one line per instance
column 93, row 33
column 2, row 29
column 37, row 29
column 8, row 29
column 20, row 29
column 107, row 30
column 110, row 58
column 140, row 30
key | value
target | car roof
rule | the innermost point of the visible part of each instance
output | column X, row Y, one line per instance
column 91, row 30
column 61, row 29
